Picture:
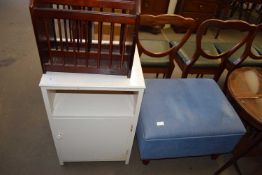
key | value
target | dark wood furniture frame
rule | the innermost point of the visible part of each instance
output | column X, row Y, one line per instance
column 238, row 5
column 63, row 31
column 154, row 7
column 219, row 24
column 176, row 20
column 201, row 10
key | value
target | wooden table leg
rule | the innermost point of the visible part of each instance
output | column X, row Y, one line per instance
column 234, row 159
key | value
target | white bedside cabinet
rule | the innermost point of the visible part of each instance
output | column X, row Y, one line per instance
column 93, row 117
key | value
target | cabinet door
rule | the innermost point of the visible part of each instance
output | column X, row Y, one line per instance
column 93, row 139
column 154, row 7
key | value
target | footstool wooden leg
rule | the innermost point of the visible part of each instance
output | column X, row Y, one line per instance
column 214, row 156
column 145, row 162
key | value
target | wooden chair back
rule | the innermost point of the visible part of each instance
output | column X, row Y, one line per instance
column 70, row 35
column 235, row 25
column 248, row 53
column 161, row 20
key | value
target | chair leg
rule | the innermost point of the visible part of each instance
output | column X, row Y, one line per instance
column 226, row 79
column 184, row 74
column 170, row 70
column 168, row 75
column 237, row 168
column 225, row 83
column 218, row 74
column 234, row 159
column 214, row 156
column 157, row 75
column 216, row 78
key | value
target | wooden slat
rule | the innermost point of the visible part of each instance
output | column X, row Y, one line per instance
column 78, row 34
column 86, row 42
column 133, row 46
column 54, row 32
column 70, row 30
column 100, row 30
column 123, row 45
column 61, row 38
column 122, row 33
column 122, row 29
column 112, row 33
column 73, row 41
column 89, row 32
column 111, row 42
column 66, row 35
column 48, row 40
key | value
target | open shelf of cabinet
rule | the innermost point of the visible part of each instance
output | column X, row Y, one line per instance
column 93, row 117
column 93, row 103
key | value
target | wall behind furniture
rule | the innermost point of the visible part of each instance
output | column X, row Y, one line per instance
column 172, row 6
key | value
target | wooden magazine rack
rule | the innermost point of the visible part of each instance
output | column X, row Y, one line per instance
column 92, row 36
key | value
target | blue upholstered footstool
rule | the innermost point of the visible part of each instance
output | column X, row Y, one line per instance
column 186, row 117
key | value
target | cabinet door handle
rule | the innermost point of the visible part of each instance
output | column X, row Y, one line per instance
column 201, row 6
column 59, row 136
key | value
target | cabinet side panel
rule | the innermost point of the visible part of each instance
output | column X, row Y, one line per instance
column 137, row 103
column 48, row 101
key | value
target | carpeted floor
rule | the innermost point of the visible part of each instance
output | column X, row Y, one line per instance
column 26, row 145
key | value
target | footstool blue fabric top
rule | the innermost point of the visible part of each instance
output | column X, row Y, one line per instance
column 186, row 117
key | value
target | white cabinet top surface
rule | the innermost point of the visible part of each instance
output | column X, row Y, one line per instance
column 82, row 81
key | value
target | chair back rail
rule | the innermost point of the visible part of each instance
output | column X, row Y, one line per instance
column 236, row 25
column 155, row 65
column 222, row 25
column 248, row 51
column 176, row 20
column 71, row 35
